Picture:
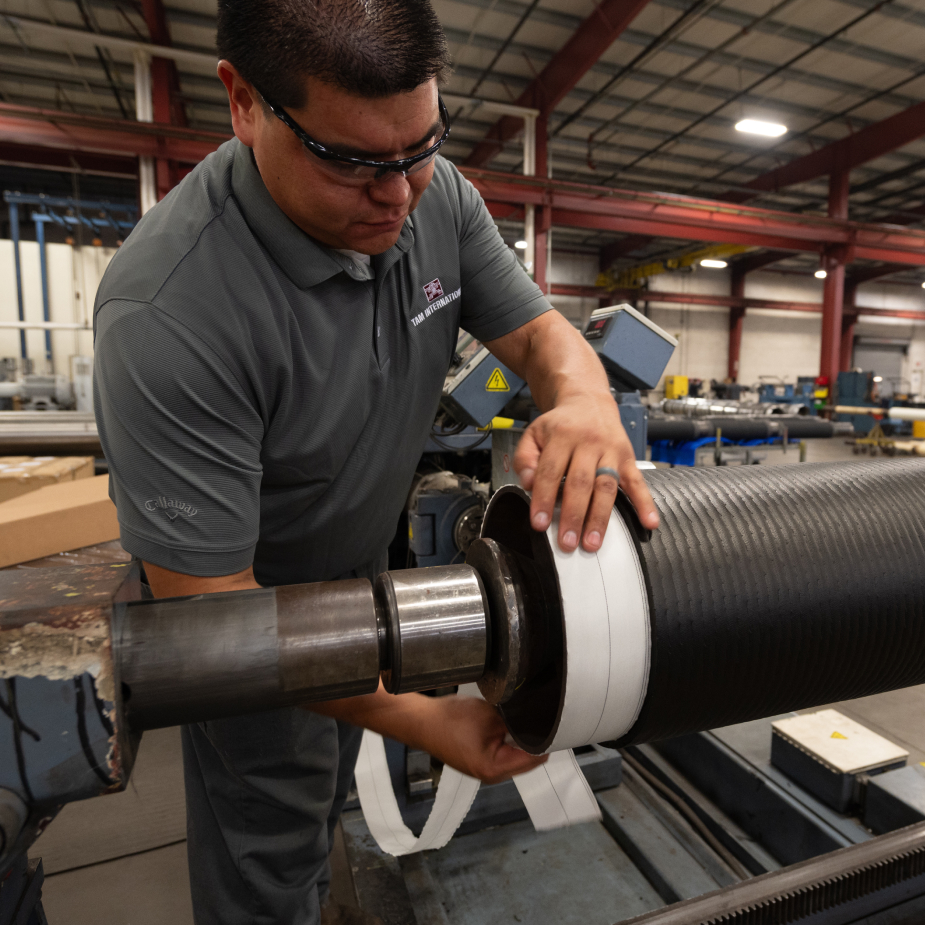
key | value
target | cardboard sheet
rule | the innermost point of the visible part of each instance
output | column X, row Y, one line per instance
column 57, row 519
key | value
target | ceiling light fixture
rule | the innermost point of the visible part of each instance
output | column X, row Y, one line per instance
column 520, row 245
column 878, row 378
column 714, row 264
column 820, row 274
column 757, row 127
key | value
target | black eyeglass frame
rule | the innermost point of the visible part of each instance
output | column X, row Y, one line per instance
column 382, row 167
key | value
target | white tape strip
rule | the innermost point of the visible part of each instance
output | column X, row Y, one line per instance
column 374, row 785
column 556, row 794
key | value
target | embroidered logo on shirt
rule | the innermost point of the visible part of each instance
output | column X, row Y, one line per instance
column 433, row 290
column 435, row 306
column 171, row 507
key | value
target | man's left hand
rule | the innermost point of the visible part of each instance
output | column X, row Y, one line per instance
column 574, row 440
column 579, row 433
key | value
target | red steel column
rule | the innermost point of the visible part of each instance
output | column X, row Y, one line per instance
column 848, row 323
column 736, row 323
column 834, row 290
column 543, row 213
column 165, row 92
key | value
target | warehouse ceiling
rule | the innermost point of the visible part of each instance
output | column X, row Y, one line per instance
column 656, row 111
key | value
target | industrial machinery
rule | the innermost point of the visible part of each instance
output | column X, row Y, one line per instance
column 445, row 513
column 633, row 350
column 858, row 390
column 712, row 620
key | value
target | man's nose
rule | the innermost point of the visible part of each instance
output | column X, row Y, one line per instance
column 392, row 189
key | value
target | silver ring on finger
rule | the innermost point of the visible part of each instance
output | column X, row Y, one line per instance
column 606, row 470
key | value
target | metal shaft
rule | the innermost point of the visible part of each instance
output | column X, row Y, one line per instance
column 184, row 660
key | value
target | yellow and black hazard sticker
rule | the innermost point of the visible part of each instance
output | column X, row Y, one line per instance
column 497, row 382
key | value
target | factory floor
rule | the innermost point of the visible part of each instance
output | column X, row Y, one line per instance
column 122, row 859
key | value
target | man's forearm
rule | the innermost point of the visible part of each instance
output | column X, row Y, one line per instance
column 399, row 716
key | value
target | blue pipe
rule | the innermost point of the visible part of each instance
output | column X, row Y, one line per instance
column 14, row 234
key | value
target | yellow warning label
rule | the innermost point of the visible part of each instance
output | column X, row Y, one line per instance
column 497, row 382
column 838, row 735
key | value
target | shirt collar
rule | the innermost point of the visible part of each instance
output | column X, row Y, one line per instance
column 306, row 262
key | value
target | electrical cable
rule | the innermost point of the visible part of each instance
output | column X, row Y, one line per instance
column 718, row 847
column 461, row 449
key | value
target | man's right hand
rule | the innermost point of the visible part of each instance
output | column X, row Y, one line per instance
column 471, row 737
column 463, row 732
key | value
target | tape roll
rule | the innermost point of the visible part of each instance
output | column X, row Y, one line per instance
column 607, row 637
column 590, row 643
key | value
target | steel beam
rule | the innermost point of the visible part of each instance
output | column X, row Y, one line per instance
column 833, row 293
column 717, row 301
column 841, row 156
column 542, row 217
column 570, row 204
column 736, row 323
column 592, row 38
column 41, row 158
column 846, row 353
column 52, row 128
column 686, row 218
column 165, row 91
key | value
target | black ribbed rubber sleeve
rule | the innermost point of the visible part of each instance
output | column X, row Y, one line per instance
column 780, row 588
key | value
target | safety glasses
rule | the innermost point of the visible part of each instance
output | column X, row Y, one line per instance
column 357, row 168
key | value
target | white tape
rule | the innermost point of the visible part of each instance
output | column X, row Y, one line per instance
column 380, row 808
column 607, row 637
column 555, row 794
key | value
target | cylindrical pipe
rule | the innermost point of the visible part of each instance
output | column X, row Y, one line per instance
column 907, row 414
column 739, row 427
column 189, row 659
column 765, row 590
column 777, row 589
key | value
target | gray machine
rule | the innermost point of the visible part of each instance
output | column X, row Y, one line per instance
column 480, row 389
column 635, row 352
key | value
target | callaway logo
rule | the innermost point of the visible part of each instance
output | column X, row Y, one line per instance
column 171, row 508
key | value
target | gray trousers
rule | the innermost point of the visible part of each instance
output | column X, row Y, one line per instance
column 263, row 795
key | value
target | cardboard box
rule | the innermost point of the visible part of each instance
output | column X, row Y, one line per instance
column 22, row 474
column 57, row 518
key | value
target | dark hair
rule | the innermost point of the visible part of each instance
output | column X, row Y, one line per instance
column 373, row 48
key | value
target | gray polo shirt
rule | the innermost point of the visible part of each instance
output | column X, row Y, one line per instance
column 264, row 399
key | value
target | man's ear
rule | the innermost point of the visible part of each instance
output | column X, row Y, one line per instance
column 244, row 102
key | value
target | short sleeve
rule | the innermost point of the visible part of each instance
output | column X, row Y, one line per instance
column 497, row 294
column 182, row 437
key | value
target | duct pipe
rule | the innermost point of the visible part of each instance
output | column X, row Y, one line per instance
column 144, row 112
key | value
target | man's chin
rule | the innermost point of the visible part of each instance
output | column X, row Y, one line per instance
column 368, row 239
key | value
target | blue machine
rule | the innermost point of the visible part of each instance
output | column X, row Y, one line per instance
column 803, row 393
column 445, row 513
column 857, row 389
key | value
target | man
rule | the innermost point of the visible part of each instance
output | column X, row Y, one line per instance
column 262, row 364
